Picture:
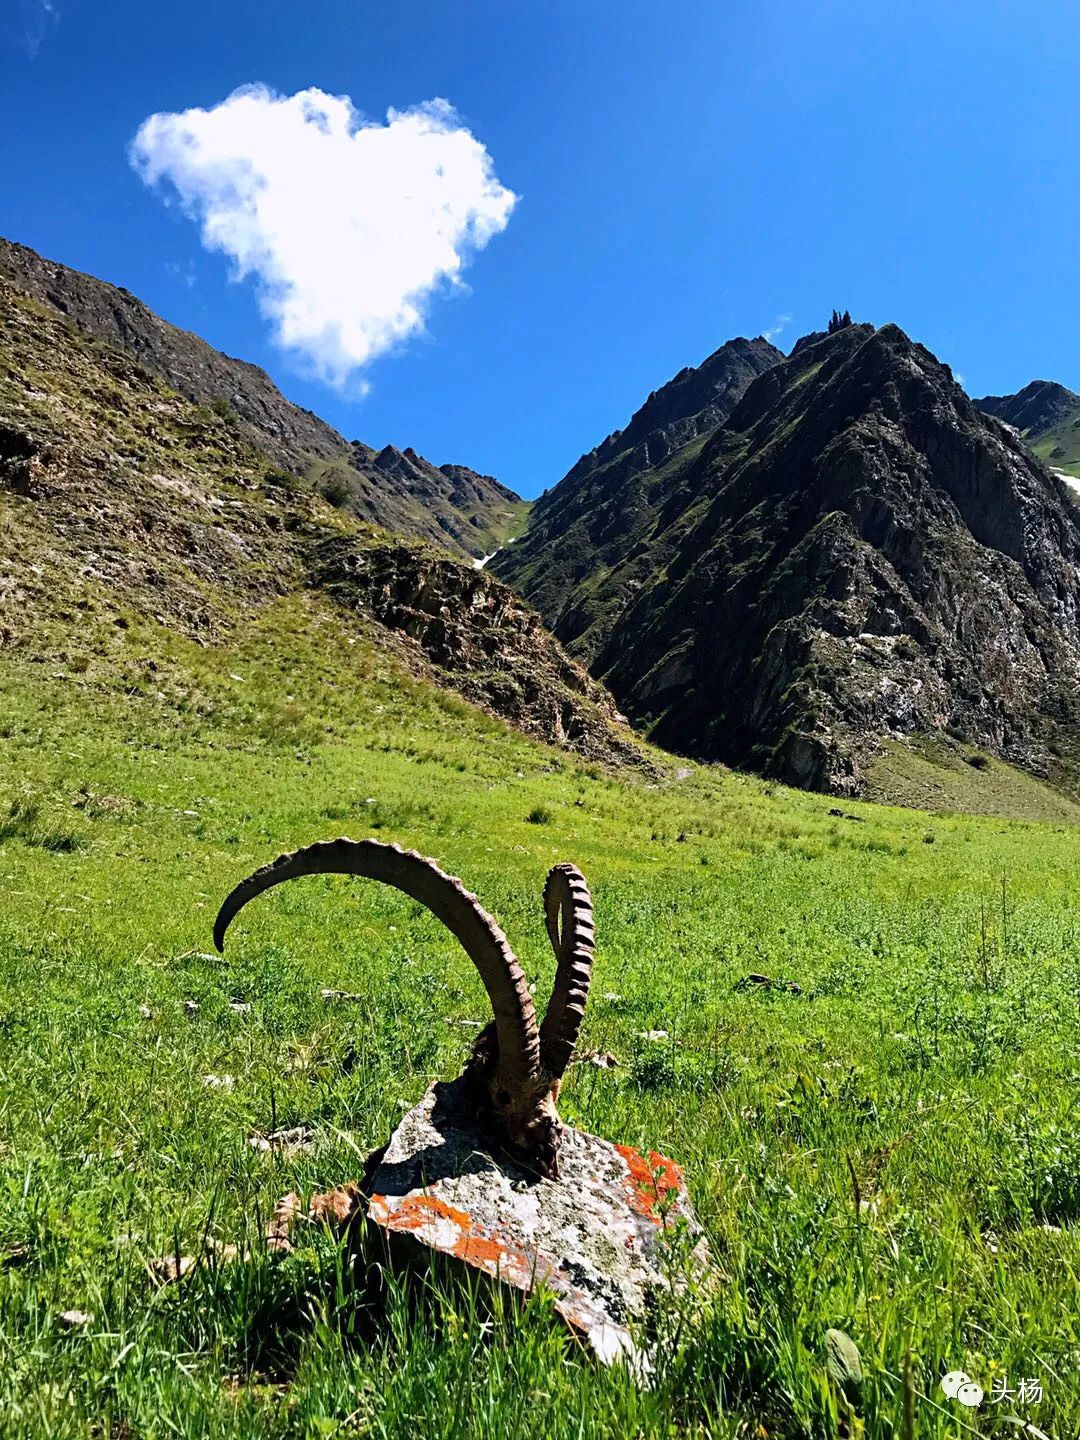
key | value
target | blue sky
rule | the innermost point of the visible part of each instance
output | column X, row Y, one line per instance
column 683, row 173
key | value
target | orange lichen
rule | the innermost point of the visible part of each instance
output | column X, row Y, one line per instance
column 414, row 1212
column 649, row 1181
column 423, row 1215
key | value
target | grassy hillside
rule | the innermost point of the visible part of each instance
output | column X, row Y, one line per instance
column 452, row 506
column 894, row 1152
column 483, row 527
column 119, row 497
column 1060, row 447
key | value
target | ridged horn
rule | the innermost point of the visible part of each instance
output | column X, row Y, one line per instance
column 447, row 899
column 568, row 911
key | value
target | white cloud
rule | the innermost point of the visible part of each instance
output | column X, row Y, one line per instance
column 777, row 328
column 349, row 227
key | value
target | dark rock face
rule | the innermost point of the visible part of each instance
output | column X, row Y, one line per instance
column 695, row 401
column 454, row 507
column 604, row 506
column 857, row 552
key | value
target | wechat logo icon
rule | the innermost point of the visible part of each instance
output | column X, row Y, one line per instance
column 960, row 1387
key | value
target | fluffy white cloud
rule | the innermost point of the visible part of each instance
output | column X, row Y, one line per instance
column 777, row 328
column 349, row 227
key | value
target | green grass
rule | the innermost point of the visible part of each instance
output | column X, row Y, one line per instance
column 1060, row 447
column 927, row 1069
column 936, row 774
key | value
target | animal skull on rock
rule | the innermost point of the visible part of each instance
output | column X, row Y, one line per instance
column 515, row 1067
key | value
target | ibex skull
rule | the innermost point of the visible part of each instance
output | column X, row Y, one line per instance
column 515, row 1067
column 560, row 1208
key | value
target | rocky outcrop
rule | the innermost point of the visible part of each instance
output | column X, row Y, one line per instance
column 400, row 490
column 856, row 553
column 478, row 637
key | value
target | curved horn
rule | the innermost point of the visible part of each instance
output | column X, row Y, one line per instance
column 446, row 897
column 567, row 899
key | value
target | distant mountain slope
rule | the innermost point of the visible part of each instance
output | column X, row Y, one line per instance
column 605, row 505
column 124, row 504
column 1047, row 416
column 455, row 507
column 450, row 504
column 858, row 553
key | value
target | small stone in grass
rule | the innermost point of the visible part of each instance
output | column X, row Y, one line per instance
column 653, row 1035
column 843, row 1362
column 191, row 1006
column 297, row 1141
column 167, row 1269
column 74, row 1319
column 240, row 1007
column 218, row 1082
column 602, row 1059
column 339, row 997
column 146, row 1012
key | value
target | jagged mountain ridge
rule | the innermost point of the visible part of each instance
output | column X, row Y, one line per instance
column 1048, row 417
column 458, row 507
column 451, row 505
column 857, row 553
column 603, row 505
column 122, row 500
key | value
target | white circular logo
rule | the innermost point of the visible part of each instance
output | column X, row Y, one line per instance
column 952, row 1382
column 970, row 1395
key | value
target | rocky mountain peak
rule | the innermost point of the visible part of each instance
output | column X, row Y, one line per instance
column 1038, row 406
column 696, row 399
column 856, row 555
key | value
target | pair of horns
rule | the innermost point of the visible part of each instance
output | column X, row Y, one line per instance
column 526, row 1054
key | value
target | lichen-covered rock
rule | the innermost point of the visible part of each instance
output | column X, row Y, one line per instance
column 607, row 1238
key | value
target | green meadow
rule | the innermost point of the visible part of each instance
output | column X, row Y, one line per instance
column 893, row 1153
